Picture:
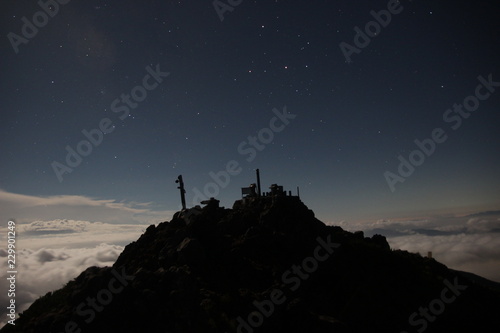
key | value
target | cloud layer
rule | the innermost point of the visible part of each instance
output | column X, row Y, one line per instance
column 58, row 237
column 470, row 243
column 51, row 253
column 26, row 208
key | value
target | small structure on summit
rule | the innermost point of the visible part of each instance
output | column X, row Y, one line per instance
column 275, row 190
column 254, row 189
column 249, row 191
column 212, row 202
column 249, row 194
column 253, row 194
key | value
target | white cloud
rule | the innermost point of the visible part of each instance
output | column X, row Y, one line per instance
column 58, row 237
column 44, row 270
column 483, row 224
column 26, row 208
column 51, row 253
column 476, row 253
column 469, row 243
column 72, row 234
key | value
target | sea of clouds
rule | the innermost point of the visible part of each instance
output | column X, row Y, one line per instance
column 469, row 243
column 50, row 250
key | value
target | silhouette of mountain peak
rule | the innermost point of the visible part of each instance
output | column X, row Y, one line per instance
column 266, row 265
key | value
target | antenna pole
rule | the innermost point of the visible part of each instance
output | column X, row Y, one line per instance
column 182, row 190
column 258, row 182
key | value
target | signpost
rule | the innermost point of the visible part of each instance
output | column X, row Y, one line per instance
column 183, row 191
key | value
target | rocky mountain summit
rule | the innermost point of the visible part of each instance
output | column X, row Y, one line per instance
column 266, row 265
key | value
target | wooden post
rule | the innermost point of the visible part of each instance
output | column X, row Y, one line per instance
column 258, row 182
column 183, row 191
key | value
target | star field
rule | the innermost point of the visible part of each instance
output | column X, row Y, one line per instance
column 354, row 114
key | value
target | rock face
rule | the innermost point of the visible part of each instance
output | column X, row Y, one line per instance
column 267, row 265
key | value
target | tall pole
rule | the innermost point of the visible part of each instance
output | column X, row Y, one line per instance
column 258, row 182
column 183, row 191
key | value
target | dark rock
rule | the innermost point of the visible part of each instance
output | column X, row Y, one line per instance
column 211, row 268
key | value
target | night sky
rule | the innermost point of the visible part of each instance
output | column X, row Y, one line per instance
column 384, row 114
column 348, row 119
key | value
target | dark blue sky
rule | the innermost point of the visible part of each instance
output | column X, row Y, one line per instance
column 352, row 120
